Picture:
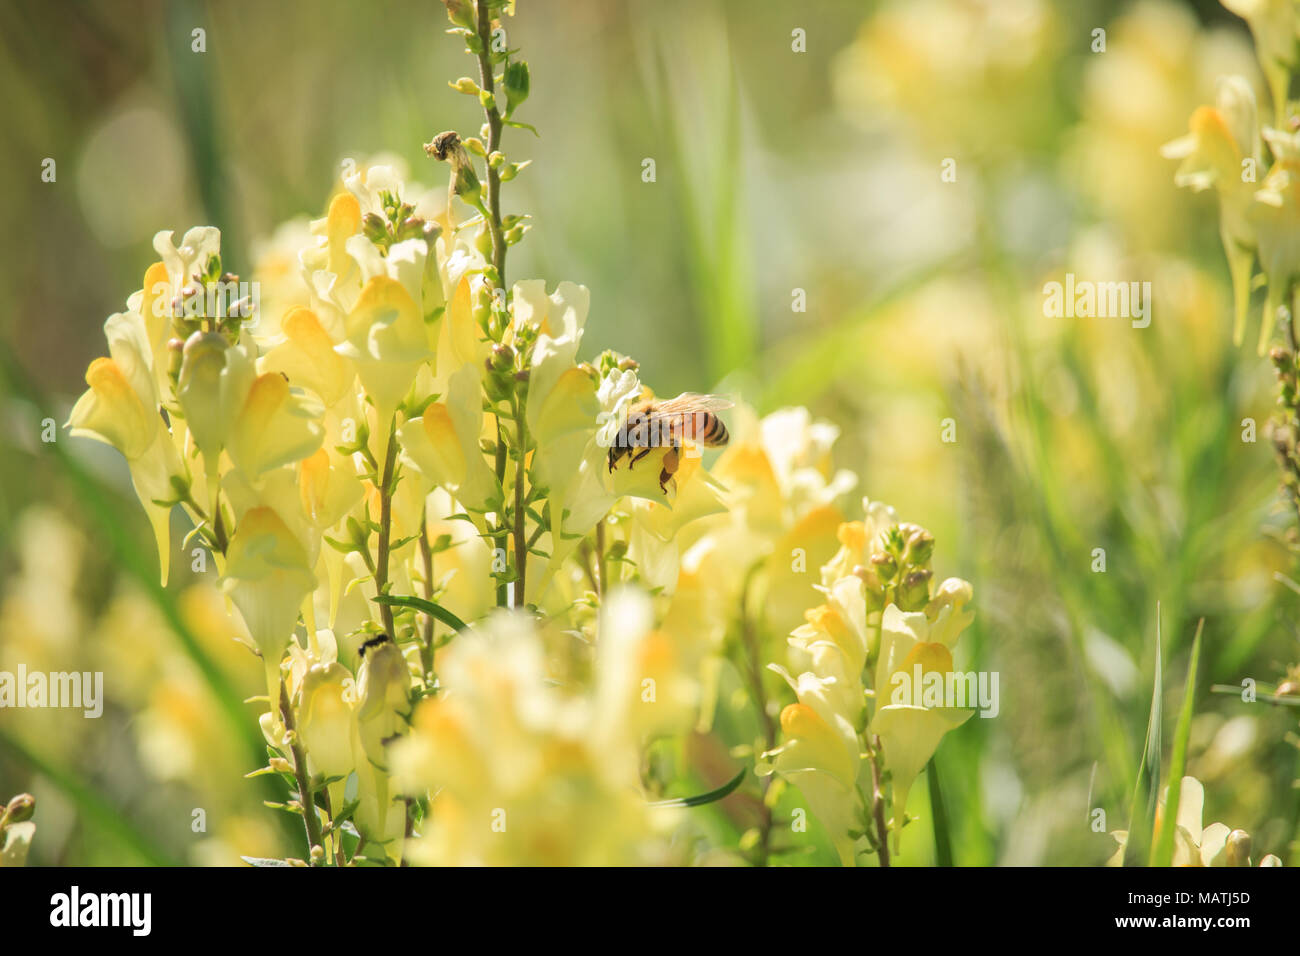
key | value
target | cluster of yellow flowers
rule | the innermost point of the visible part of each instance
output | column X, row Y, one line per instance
column 882, row 618
column 471, row 623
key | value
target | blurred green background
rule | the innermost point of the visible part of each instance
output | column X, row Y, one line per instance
column 776, row 171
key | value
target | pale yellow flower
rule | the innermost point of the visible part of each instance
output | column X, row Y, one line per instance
column 121, row 409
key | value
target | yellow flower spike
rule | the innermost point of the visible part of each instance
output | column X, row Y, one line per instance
column 307, row 357
column 274, row 427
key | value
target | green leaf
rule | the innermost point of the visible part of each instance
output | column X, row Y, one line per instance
column 420, row 604
column 1162, row 854
column 939, row 816
column 262, row 861
column 711, row 797
column 1146, row 787
column 528, row 126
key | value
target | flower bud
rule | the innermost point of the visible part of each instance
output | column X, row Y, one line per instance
column 20, row 809
column 1238, row 848
column 884, row 564
column 503, row 358
column 464, row 85
column 374, row 228
column 198, row 388
column 914, row 592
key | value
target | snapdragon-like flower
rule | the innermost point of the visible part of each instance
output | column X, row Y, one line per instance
column 1222, row 150
column 910, row 733
column 120, row 408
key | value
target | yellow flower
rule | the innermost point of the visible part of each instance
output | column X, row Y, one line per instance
column 385, row 337
column 1277, row 224
column 120, row 408
column 307, row 358
column 268, row 575
column 275, row 427
column 443, row 444
column 1222, row 141
column 910, row 733
column 819, row 755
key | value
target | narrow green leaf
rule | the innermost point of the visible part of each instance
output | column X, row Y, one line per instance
column 939, row 813
column 1146, row 786
column 703, row 798
column 1162, row 854
column 420, row 604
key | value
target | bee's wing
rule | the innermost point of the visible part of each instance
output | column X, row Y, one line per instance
column 688, row 402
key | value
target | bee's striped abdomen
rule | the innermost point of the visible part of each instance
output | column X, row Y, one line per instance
column 705, row 428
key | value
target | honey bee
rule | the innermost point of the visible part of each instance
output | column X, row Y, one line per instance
column 654, row 424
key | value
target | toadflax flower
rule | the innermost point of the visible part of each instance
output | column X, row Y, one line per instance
column 120, row 408
column 910, row 641
column 268, row 575
column 1222, row 150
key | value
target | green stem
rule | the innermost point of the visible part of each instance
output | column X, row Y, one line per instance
column 386, row 528
column 426, row 632
column 878, row 806
column 499, row 539
column 494, row 124
column 309, row 817
column 521, row 515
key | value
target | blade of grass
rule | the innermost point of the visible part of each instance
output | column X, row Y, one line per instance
column 1139, row 829
column 939, row 813
column 701, row 799
column 420, row 604
column 1162, row 854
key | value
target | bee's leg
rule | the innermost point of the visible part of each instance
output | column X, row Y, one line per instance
column 637, row 457
column 669, row 468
